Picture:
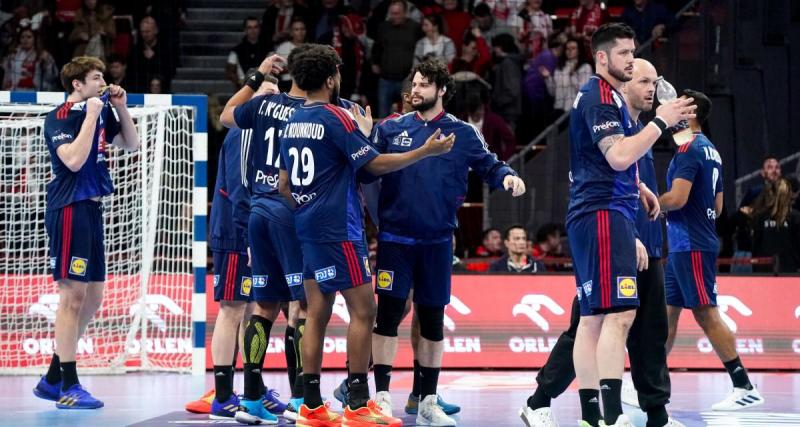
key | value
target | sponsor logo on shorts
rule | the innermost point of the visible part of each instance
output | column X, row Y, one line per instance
column 715, row 288
column 579, row 293
column 626, row 287
column 78, row 266
column 53, row 261
column 366, row 267
column 385, row 280
column 216, row 280
column 324, row 274
column 587, row 288
column 259, row 281
column 247, row 285
column 295, row 279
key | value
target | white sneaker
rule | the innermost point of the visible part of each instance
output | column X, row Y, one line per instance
column 629, row 395
column 741, row 398
column 673, row 423
column 622, row 421
column 542, row 417
column 431, row 414
column 384, row 400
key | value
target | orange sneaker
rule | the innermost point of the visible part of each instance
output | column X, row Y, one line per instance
column 321, row 416
column 368, row 416
column 203, row 404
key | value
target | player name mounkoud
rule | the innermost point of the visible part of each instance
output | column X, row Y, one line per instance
column 275, row 110
column 304, row 130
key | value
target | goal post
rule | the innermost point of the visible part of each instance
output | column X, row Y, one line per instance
column 154, row 308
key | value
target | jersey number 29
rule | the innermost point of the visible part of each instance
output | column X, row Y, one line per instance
column 302, row 159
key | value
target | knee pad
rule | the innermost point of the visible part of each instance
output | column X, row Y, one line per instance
column 431, row 322
column 390, row 314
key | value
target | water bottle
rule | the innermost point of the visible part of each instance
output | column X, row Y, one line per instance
column 666, row 93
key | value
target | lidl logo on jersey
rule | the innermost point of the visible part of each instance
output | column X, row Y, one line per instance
column 402, row 140
column 259, row 281
column 366, row 266
column 295, row 279
column 587, row 288
column 247, row 285
column 216, row 280
column 626, row 287
column 78, row 266
column 324, row 274
column 385, row 279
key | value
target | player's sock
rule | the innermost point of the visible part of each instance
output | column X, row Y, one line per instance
column 590, row 406
column 539, row 399
column 359, row 390
column 291, row 357
column 298, row 343
column 223, row 382
column 69, row 375
column 383, row 375
column 738, row 374
column 256, row 338
column 53, row 374
column 611, row 389
column 416, row 387
column 312, row 397
column 657, row 417
column 429, row 379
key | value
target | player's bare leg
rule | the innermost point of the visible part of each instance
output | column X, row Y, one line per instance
column 71, row 298
column 611, row 361
column 223, row 346
column 584, row 355
column 361, row 307
column 91, row 303
column 320, row 307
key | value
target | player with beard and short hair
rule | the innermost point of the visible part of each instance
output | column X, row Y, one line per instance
column 415, row 245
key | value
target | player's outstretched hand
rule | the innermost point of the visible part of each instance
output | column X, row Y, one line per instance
column 515, row 184
column 117, row 96
column 649, row 202
column 677, row 110
column 364, row 120
column 94, row 106
column 272, row 64
column 438, row 144
column 642, row 261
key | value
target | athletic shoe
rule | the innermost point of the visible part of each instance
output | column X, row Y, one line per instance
column 76, row 397
column 431, row 414
column 413, row 403
column 45, row 390
column 291, row 409
column 629, row 395
column 542, row 417
column 582, row 423
column 342, row 392
column 203, row 404
column 272, row 404
column 224, row 410
column 741, row 398
column 673, row 423
column 253, row 413
column 384, row 401
column 622, row 421
column 368, row 416
column 321, row 416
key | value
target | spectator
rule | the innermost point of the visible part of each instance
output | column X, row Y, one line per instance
column 350, row 43
column 249, row 53
column 496, row 133
column 156, row 84
column 571, row 73
column 150, row 57
column 770, row 172
column 484, row 25
column 326, row 21
column 297, row 37
column 536, row 28
column 456, row 22
column 276, row 24
column 28, row 67
column 9, row 28
column 492, row 245
column 548, row 244
column 585, row 20
column 506, row 84
column 742, row 240
column 505, row 14
column 475, row 56
column 795, row 184
column 467, row 84
column 393, row 55
column 117, row 72
column 434, row 43
column 94, row 30
column 648, row 19
column 517, row 259
column 538, row 99
column 776, row 227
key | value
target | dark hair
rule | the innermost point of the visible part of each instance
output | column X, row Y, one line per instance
column 769, row 157
column 402, row 2
column 507, row 233
column 562, row 59
column 469, row 38
column 606, row 36
column 406, row 85
column 295, row 53
column 702, row 102
column 554, row 41
column 482, row 10
column 505, row 42
column 546, row 231
column 248, row 19
column 473, row 101
column 437, row 22
column 78, row 68
column 314, row 66
column 115, row 58
column 487, row 231
column 436, row 72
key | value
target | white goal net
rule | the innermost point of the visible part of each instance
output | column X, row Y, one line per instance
column 145, row 319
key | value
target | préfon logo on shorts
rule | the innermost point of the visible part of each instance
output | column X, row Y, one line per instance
column 324, row 274
column 78, row 266
column 295, row 279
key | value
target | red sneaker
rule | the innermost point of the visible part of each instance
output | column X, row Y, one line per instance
column 368, row 416
column 203, row 404
column 321, row 416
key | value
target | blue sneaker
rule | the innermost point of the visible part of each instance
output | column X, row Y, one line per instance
column 252, row 412
column 448, row 408
column 293, row 408
column 342, row 392
column 225, row 410
column 272, row 404
column 45, row 390
column 76, row 397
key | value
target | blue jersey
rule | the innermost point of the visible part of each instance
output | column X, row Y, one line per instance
column 650, row 232
column 263, row 119
column 61, row 126
column 599, row 111
column 693, row 227
column 418, row 204
column 322, row 148
column 230, row 205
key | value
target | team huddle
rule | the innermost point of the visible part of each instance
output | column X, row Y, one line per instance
column 287, row 235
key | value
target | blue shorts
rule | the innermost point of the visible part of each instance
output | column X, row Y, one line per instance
column 232, row 279
column 336, row 266
column 76, row 242
column 276, row 259
column 604, row 253
column 691, row 279
column 427, row 268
